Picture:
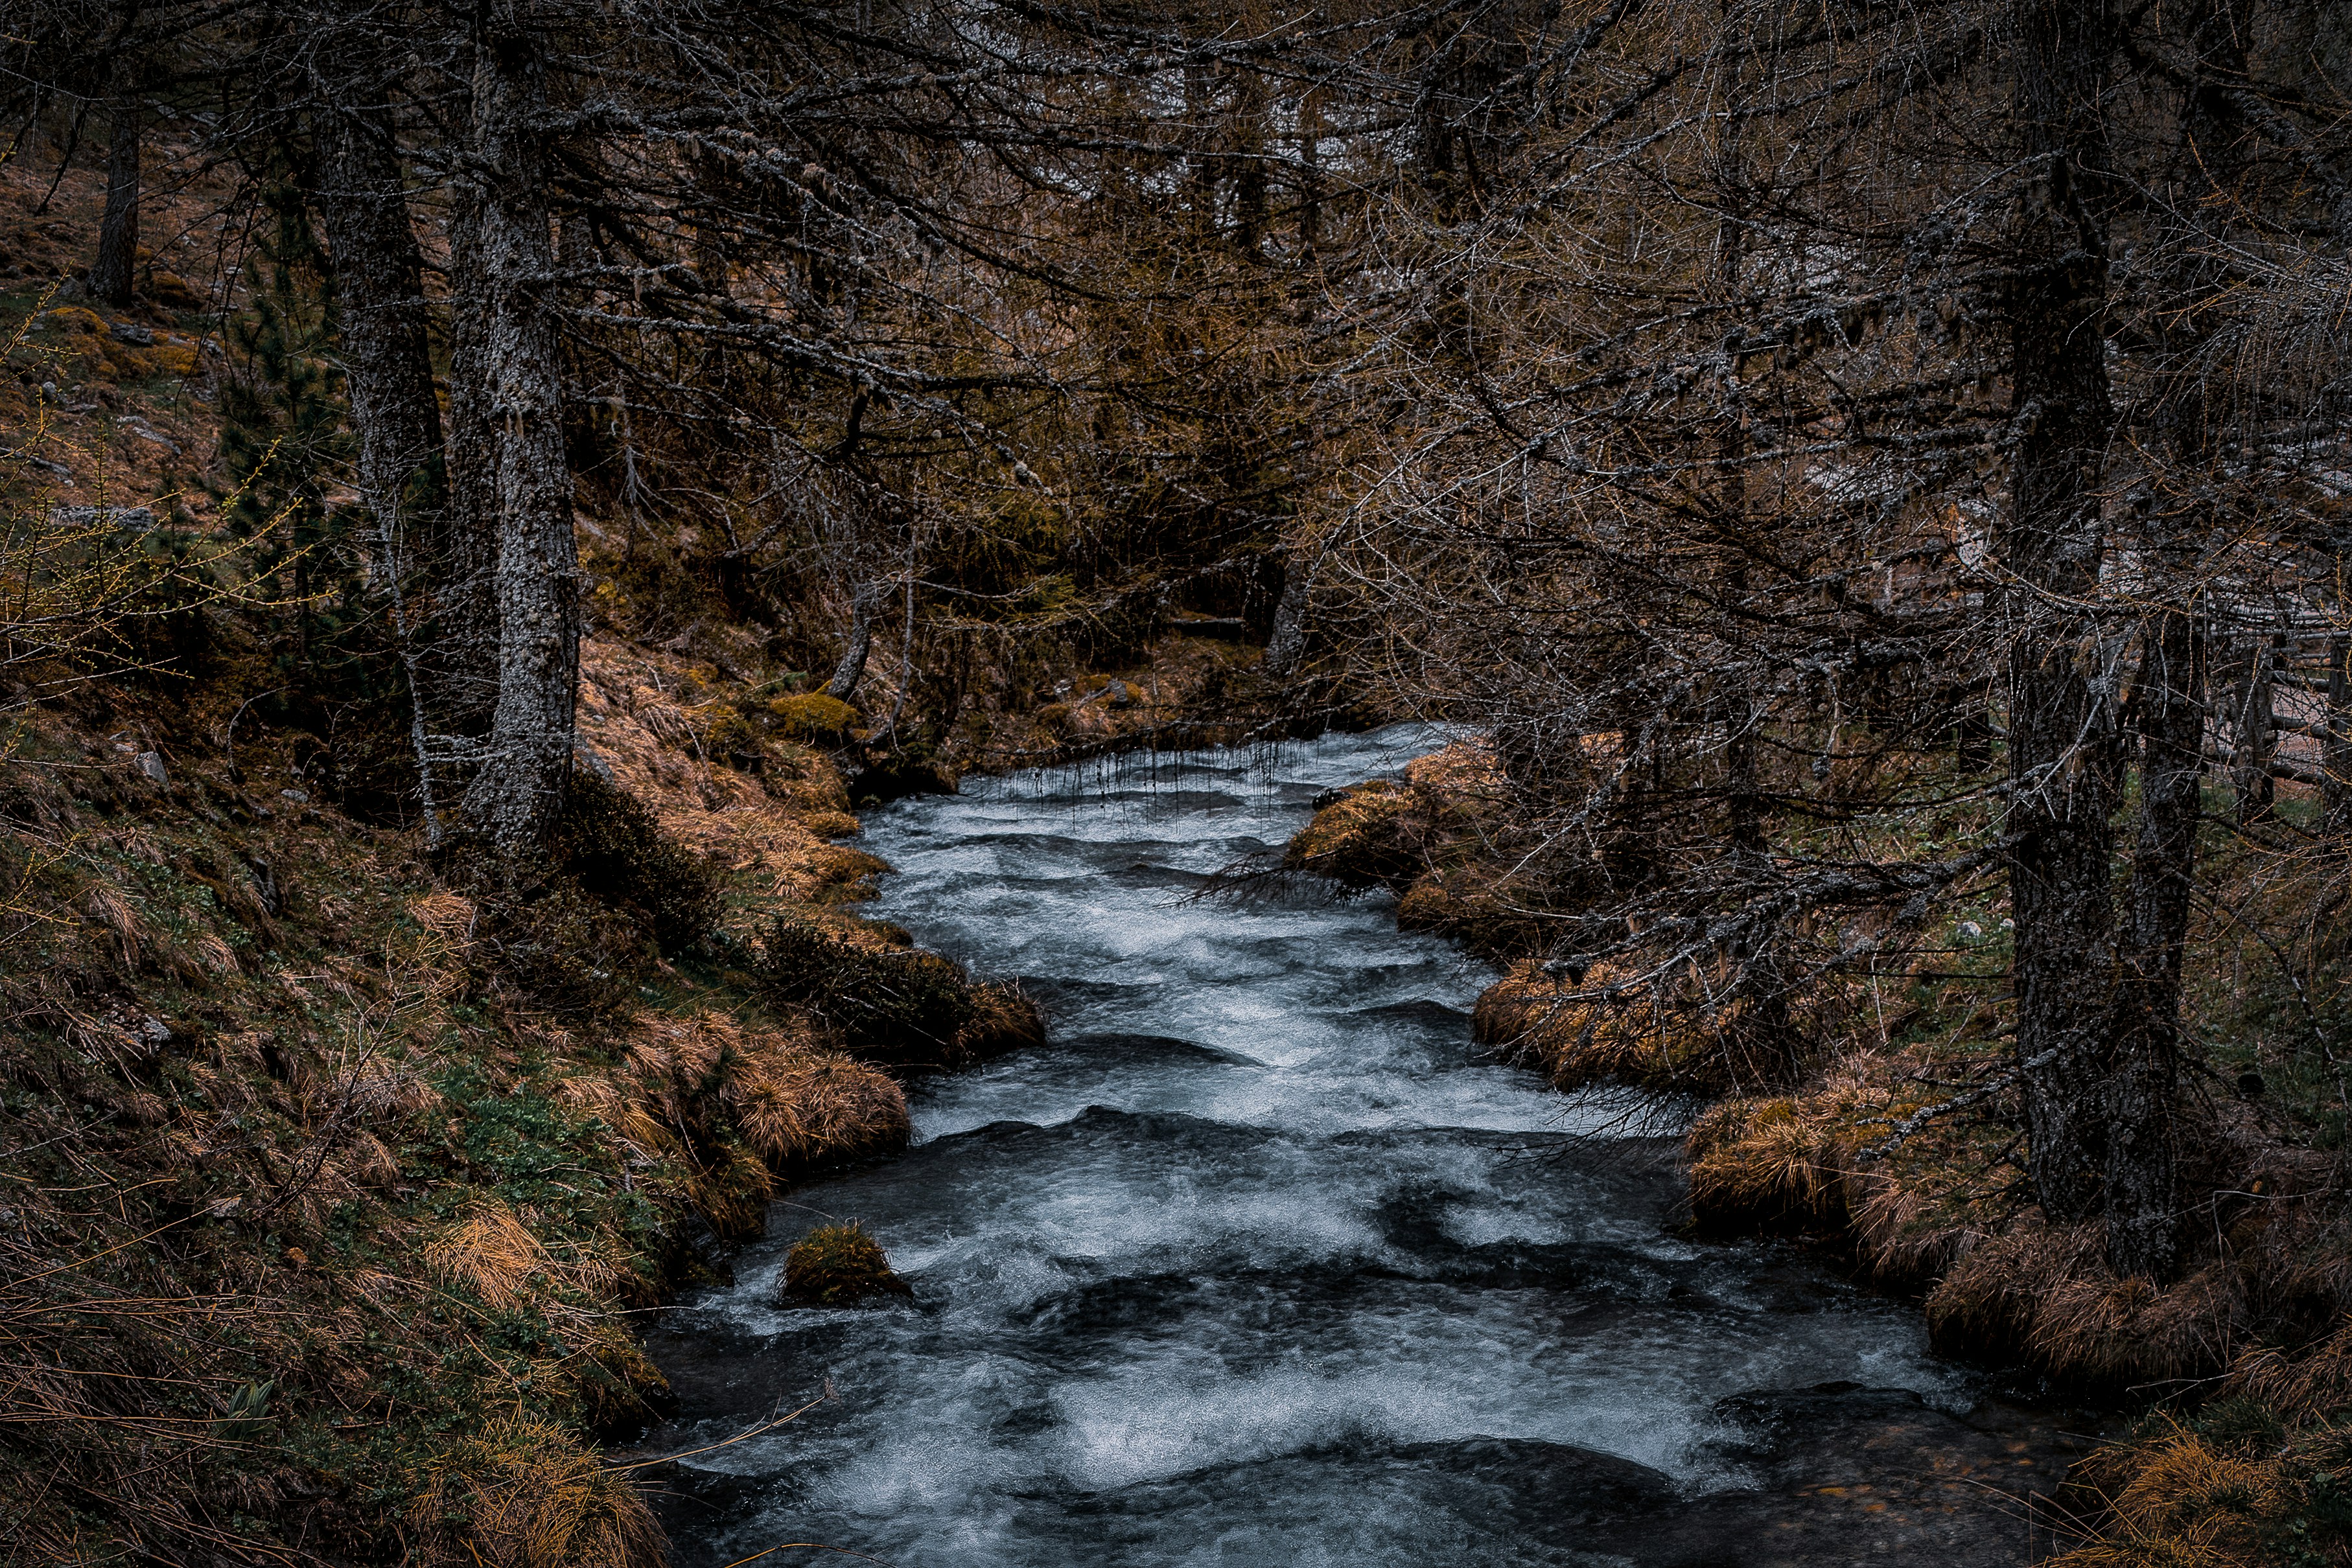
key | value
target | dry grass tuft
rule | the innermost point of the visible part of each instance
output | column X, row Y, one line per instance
column 1618, row 1027
column 800, row 1106
column 444, row 913
column 2179, row 1502
column 1003, row 1019
column 107, row 906
column 837, row 1266
column 732, row 1192
column 2044, row 1291
column 525, row 1494
column 491, row 1253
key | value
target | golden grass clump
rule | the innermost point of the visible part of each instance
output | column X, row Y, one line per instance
column 2044, row 1292
column 525, row 1494
column 837, row 1266
column 799, row 1105
column 491, row 1253
column 2177, row 1502
column 1364, row 839
column 814, row 717
column 2255, row 1477
column 1003, row 1019
column 1761, row 1161
column 732, row 1191
column 1612, row 1027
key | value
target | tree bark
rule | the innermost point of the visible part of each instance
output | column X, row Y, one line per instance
column 2060, row 757
column 1287, row 643
column 862, row 601
column 2257, row 732
column 517, row 391
column 2142, row 1154
column 429, row 569
column 118, row 230
column 2336, row 749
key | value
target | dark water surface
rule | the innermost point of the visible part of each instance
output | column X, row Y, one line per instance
column 1259, row 1262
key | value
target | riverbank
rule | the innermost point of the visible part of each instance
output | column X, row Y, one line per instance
column 1894, row 1139
column 343, row 1175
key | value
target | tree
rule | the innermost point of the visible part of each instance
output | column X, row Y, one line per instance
column 507, row 262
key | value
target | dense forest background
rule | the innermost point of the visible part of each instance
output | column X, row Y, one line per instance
column 487, row 489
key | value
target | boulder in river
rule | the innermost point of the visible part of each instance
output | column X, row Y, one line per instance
column 837, row 1266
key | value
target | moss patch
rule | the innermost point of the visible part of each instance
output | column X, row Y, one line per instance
column 837, row 1266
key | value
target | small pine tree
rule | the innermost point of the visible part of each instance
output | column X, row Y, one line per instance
column 286, row 447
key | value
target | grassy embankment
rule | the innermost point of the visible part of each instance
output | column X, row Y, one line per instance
column 339, row 1173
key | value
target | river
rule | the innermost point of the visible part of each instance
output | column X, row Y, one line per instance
column 1258, row 1261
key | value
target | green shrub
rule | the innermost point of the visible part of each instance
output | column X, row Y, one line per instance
column 837, row 1266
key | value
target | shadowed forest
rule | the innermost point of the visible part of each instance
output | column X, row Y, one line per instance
column 489, row 493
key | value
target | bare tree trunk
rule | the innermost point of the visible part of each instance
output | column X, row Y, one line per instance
column 2142, row 1154
column 2257, row 732
column 1287, row 643
column 1310, row 165
column 518, row 794
column 1248, row 162
column 472, row 480
column 864, row 600
column 118, row 231
column 2061, row 725
column 2335, row 747
column 388, row 371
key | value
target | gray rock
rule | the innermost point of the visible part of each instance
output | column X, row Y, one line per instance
column 133, row 333
column 151, row 763
column 139, row 519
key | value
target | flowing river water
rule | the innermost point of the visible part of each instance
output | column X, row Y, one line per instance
column 1259, row 1261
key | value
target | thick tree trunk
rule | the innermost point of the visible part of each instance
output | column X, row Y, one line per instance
column 118, row 230
column 472, row 465
column 2144, row 1232
column 1310, row 170
column 2061, row 723
column 862, row 601
column 429, row 571
column 517, row 394
column 1287, row 643
column 2257, row 732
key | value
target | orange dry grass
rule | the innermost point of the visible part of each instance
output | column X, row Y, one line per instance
column 2182, row 1504
column 798, row 1106
column 1003, row 1019
column 1798, row 1159
column 526, row 1495
column 774, row 826
column 1614, row 1028
column 492, row 1253
column 2314, row 1386
column 1365, row 836
column 1465, row 775
column 2044, row 1290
